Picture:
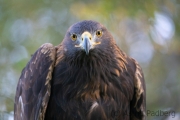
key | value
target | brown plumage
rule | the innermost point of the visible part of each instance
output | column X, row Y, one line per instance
column 86, row 77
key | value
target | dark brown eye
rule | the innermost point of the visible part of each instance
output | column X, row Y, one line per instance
column 73, row 37
column 99, row 33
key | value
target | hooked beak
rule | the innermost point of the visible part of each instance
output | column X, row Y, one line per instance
column 87, row 42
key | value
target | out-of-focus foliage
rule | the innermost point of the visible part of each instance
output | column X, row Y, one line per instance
column 147, row 30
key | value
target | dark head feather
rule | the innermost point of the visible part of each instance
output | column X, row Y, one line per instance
column 91, row 27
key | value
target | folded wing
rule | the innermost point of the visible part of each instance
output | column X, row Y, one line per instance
column 33, row 89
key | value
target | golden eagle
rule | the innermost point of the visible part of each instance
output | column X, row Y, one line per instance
column 86, row 77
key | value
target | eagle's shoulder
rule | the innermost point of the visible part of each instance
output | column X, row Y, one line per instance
column 60, row 53
column 34, row 84
column 131, row 67
column 138, row 103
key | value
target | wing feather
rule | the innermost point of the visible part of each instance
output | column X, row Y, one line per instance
column 138, row 103
column 33, row 89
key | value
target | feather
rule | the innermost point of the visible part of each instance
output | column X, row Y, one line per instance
column 65, row 83
column 33, row 89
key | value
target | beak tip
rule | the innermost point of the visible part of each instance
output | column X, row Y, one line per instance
column 87, row 45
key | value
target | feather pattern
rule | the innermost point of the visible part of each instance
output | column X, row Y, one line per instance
column 64, row 83
column 33, row 90
column 103, row 80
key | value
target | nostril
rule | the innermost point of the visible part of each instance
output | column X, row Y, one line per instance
column 90, row 38
column 82, row 39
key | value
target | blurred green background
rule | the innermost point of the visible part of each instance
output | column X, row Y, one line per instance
column 148, row 31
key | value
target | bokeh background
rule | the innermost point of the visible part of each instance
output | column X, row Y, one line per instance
column 147, row 30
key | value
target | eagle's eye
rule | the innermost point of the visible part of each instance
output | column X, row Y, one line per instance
column 99, row 33
column 73, row 37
